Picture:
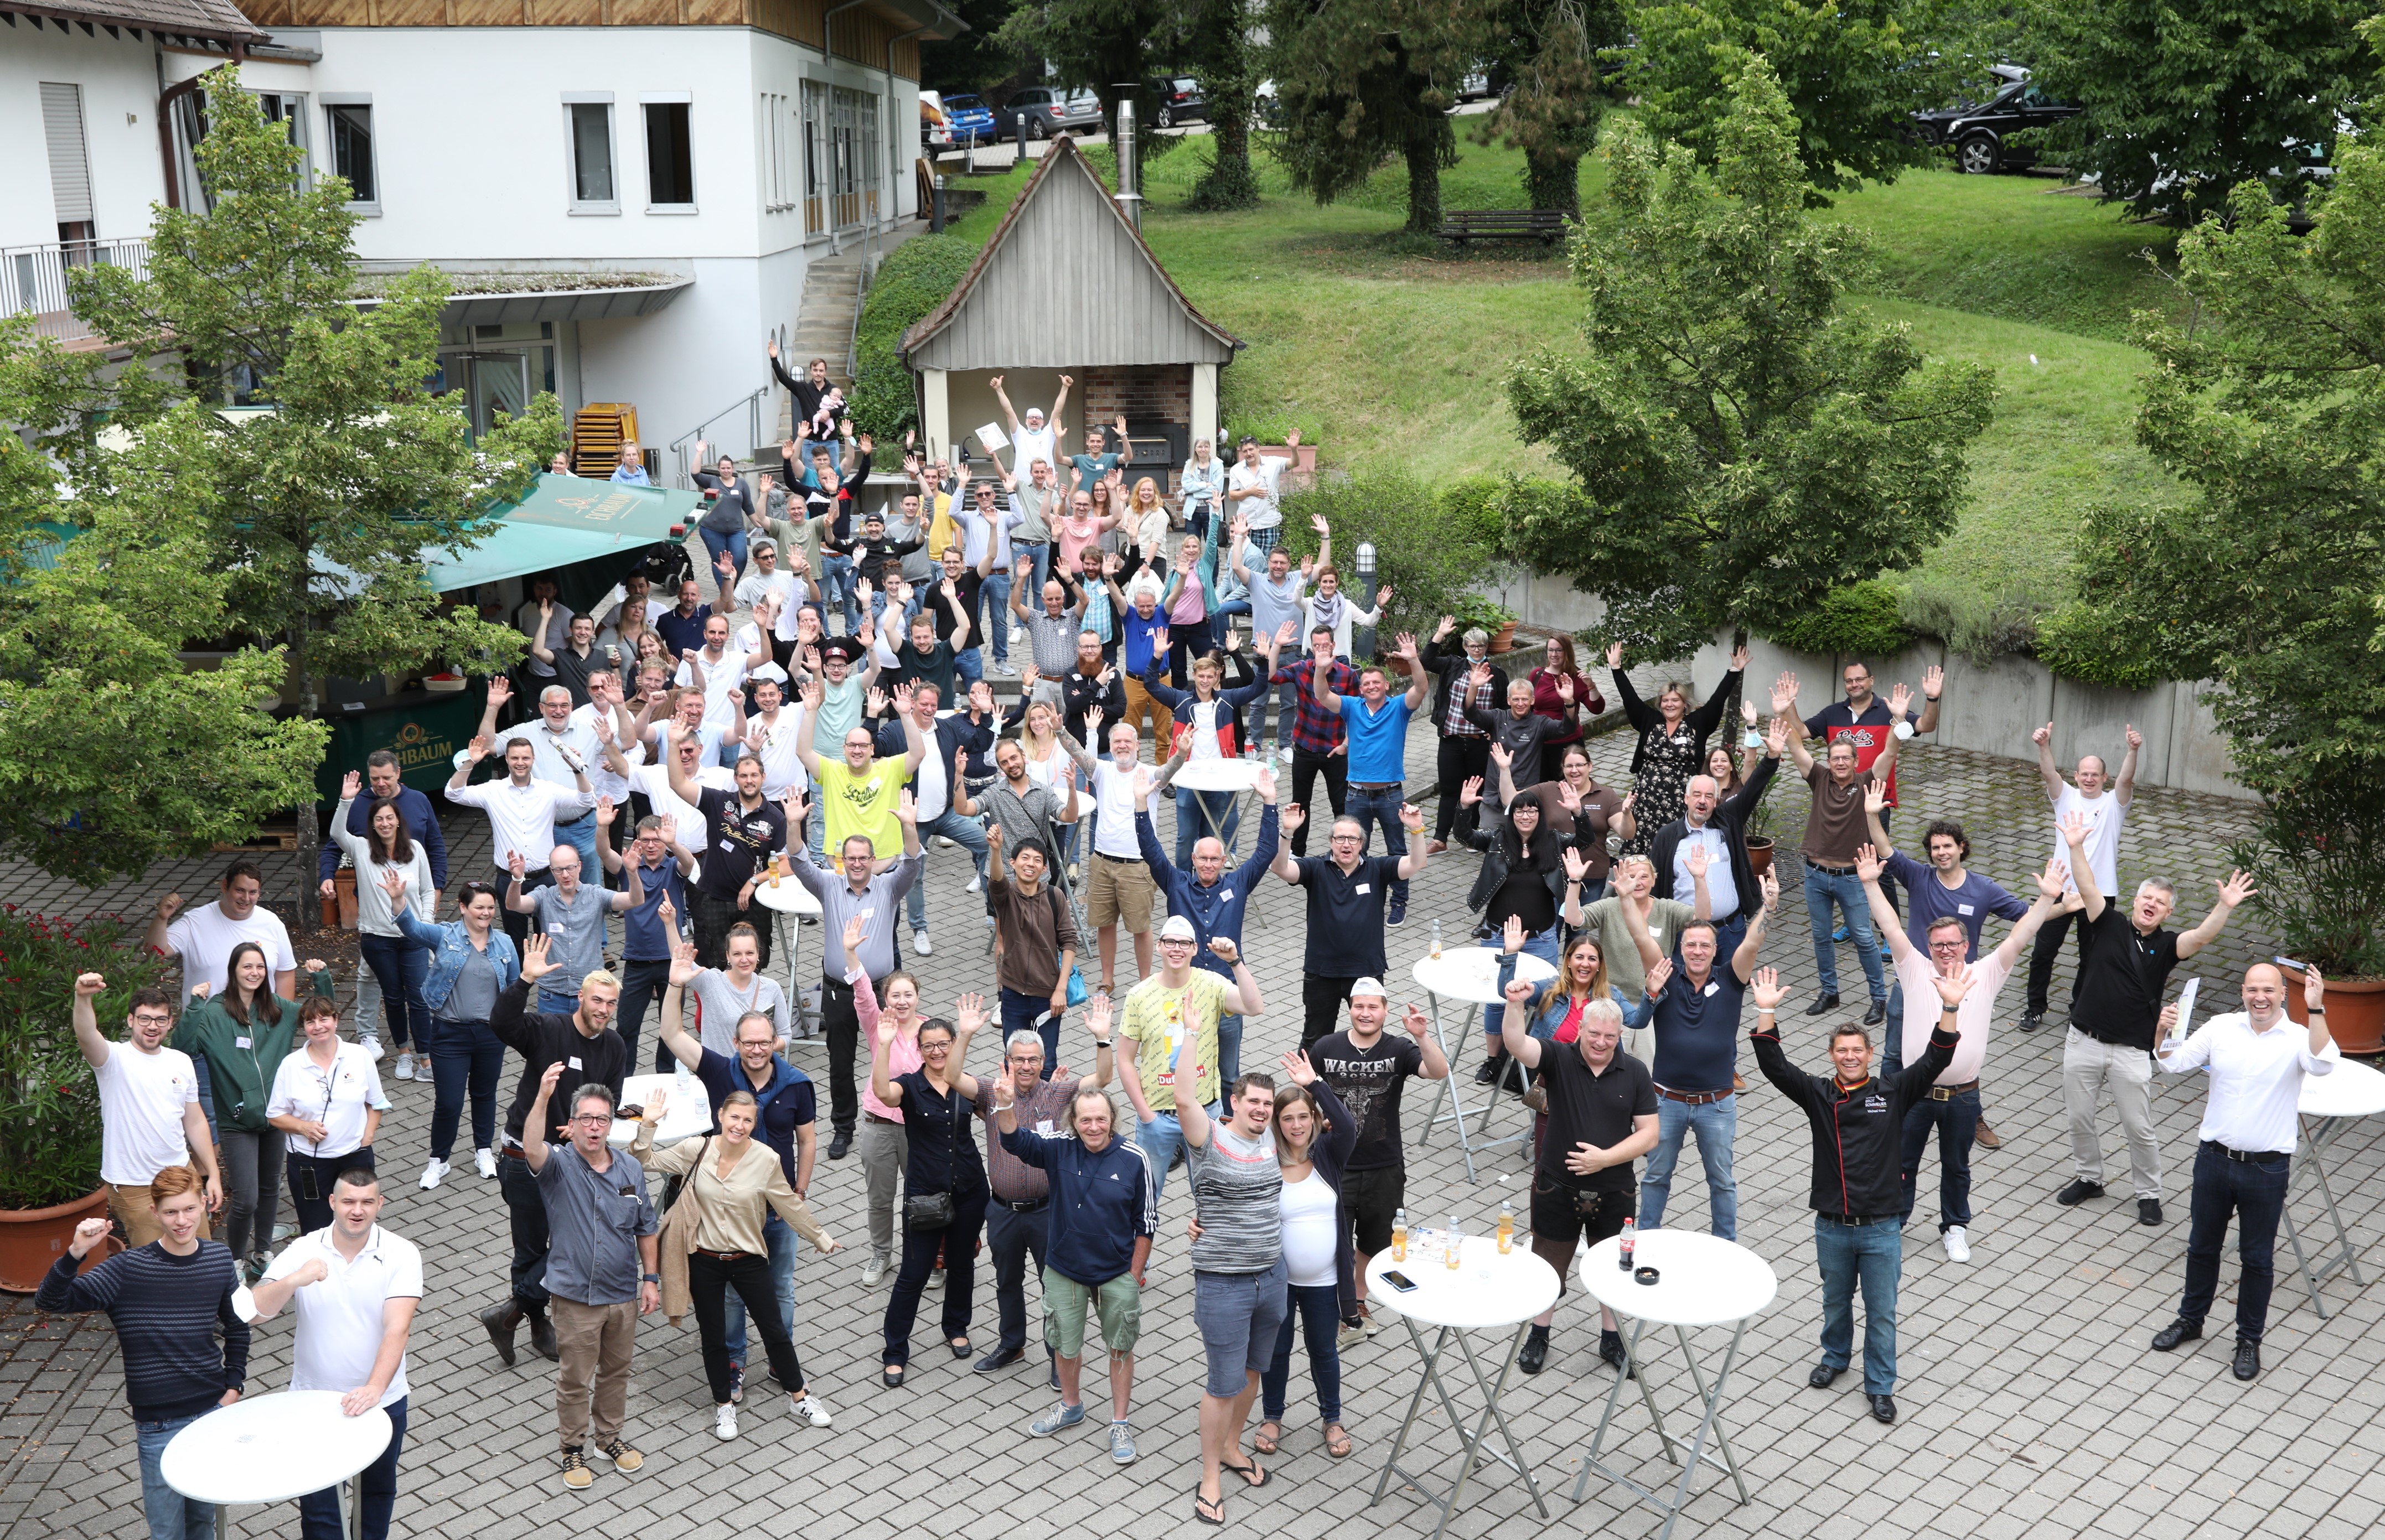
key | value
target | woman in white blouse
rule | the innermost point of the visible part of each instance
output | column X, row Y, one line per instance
column 327, row 1096
column 396, row 967
column 1203, row 483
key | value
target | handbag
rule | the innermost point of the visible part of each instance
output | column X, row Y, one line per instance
column 933, row 1210
column 1078, row 994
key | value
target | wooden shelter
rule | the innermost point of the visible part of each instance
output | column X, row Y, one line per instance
column 1067, row 285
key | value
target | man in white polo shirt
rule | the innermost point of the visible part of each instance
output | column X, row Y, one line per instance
column 2103, row 800
column 523, row 812
column 204, row 938
column 356, row 1287
column 149, row 1113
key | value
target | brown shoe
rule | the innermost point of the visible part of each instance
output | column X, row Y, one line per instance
column 1988, row 1138
column 1437, row 847
column 1738, row 1081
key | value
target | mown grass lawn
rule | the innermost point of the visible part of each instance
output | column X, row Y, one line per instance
column 1380, row 344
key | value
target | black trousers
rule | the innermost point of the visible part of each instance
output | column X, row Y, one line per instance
column 525, row 1210
column 1321, row 999
column 1012, row 1237
column 517, row 926
column 643, row 985
column 843, row 1031
column 1306, row 766
column 714, row 917
column 957, row 1243
column 2048, row 949
column 709, row 1279
column 314, row 1174
column 1462, row 758
column 2253, row 1192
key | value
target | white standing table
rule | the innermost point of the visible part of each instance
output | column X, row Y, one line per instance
column 1470, row 973
column 2329, row 1105
column 1233, row 776
column 685, row 1113
column 785, row 896
column 1486, row 1292
column 276, row 1448
column 1702, row 1281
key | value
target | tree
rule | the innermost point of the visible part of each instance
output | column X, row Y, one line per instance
column 1359, row 81
column 1545, row 55
column 1740, row 444
column 1848, row 70
column 977, row 59
column 2184, row 99
column 2271, row 405
column 322, row 506
column 1109, row 47
column 1226, row 61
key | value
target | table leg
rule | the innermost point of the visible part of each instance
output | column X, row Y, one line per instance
column 1711, row 1421
column 2326, row 1134
column 1493, row 1412
column 1430, row 1378
column 350, row 1496
column 1448, row 1087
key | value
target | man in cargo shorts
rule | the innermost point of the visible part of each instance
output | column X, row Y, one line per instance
column 1117, row 885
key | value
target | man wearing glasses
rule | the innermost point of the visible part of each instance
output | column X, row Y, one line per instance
column 1347, row 891
column 1019, row 1221
column 149, row 1113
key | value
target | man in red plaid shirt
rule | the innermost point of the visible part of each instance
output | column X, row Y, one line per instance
column 1317, row 738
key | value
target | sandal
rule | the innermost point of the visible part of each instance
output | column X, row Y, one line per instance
column 961, row 1349
column 1251, row 1472
column 1218, row 1507
column 1337, row 1441
column 1267, row 1443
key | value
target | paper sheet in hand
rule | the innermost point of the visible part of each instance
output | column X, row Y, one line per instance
column 994, row 440
column 2186, row 1009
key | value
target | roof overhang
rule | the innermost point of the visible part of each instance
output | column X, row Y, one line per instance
column 214, row 20
column 561, row 304
column 930, row 22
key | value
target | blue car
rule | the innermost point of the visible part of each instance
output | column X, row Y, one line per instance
column 971, row 119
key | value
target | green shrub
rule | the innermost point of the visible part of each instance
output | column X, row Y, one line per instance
column 911, row 282
column 2078, row 642
column 49, row 1103
column 1980, row 630
column 1863, row 618
column 1432, row 562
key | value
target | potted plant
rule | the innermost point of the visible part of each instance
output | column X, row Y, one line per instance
column 2322, row 911
column 49, row 1142
column 1474, row 611
column 1761, row 837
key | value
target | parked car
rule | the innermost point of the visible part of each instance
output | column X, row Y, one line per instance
column 1981, row 133
column 1050, row 110
column 971, row 121
column 1181, row 102
column 935, row 126
column 1476, row 84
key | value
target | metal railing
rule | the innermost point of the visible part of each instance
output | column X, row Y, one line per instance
column 33, row 280
column 683, row 447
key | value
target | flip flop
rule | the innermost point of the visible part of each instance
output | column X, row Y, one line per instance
column 1332, row 1432
column 1267, row 1443
column 1199, row 1502
column 1251, row 1473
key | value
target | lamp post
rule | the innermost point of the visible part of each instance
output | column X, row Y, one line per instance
column 1362, row 572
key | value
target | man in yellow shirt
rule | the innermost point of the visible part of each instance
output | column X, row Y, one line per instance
column 858, row 793
column 1176, row 1001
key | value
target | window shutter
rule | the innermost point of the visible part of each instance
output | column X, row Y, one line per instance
column 69, row 161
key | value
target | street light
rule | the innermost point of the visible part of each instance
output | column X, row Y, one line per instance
column 1362, row 571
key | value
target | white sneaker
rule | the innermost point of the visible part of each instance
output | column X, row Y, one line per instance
column 977, row 885
column 371, row 1043
column 433, row 1172
column 921, row 944
column 811, row 1409
column 873, row 1270
column 724, row 1421
column 487, row 1160
column 1958, row 1245
column 404, row 1065
column 942, row 843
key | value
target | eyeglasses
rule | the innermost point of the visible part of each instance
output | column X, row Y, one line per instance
column 153, row 1019
column 593, row 1118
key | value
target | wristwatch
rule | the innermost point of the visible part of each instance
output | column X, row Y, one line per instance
column 655, row 1278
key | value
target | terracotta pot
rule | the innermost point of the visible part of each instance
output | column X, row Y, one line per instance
column 1504, row 639
column 2355, row 1011
column 1759, row 854
column 340, row 909
column 31, row 1240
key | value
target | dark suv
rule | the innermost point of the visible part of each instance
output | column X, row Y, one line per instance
column 1981, row 133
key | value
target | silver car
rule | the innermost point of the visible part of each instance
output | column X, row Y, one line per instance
column 1050, row 110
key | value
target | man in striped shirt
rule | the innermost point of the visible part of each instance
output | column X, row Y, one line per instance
column 166, row 1300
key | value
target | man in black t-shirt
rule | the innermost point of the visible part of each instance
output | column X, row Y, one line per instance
column 1601, row 1117
column 1367, row 1071
column 2114, row 1012
column 1347, row 891
column 741, row 830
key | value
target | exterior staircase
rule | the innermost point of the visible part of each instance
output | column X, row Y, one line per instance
column 823, row 326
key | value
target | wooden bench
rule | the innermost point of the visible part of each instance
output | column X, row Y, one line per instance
column 1544, row 225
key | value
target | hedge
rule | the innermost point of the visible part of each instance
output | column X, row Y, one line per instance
column 1861, row 618
column 2078, row 643
column 913, row 281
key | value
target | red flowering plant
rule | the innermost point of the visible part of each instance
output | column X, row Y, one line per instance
column 49, row 1103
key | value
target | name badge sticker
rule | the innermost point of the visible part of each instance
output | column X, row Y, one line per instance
column 575, row 1063
column 1364, row 888
column 1965, row 909
column 240, row 1042
column 1710, row 990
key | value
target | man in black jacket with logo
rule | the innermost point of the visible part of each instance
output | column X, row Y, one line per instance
column 1713, row 819
column 1858, row 1122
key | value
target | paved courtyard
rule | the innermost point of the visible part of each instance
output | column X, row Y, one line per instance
column 2030, row 1403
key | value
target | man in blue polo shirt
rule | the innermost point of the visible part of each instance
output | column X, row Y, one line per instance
column 1378, row 724
column 1346, row 893
column 785, row 1107
column 1211, row 897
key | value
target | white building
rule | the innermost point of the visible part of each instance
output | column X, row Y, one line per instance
column 629, row 202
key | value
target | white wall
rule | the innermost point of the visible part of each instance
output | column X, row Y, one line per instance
column 119, row 77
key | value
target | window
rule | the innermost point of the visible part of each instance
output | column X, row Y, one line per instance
column 670, row 159
column 779, row 185
column 351, row 149
column 589, row 122
column 815, row 131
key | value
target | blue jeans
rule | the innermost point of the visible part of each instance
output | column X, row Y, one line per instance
column 464, row 1054
column 1717, row 1124
column 2255, row 1191
column 994, row 595
column 1026, row 1013
column 1316, row 1311
column 1042, row 555
column 1872, row 1255
column 1380, row 808
column 1957, row 1122
column 837, row 577
column 553, row 1004
column 580, row 834
column 400, row 970
column 969, row 667
column 318, row 1512
column 967, row 833
column 1223, row 808
column 1229, row 1050
column 1822, row 890
column 1544, row 947
column 717, row 540
column 782, row 1279
column 1218, row 616
column 171, row 1515
column 1160, row 1139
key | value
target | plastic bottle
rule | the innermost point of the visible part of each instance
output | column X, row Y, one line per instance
column 679, row 1083
column 1624, row 1244
column 1506, row 1228
column 1456, row 1243
column 1436, row 940
column 1400, row 1236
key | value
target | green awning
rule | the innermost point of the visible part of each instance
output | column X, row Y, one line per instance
column 564, row 520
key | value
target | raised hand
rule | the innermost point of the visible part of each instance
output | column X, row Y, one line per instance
column 1502, row 756
column 1265, row 783
column 1225, row 950
column 2135, row 739
column 1933, row 682
column 535, row 963
column 1657, row 976
column 2053, row 879
column 1765, row 987
column 1875, row 796
column 1698, row 859
column 168, row 905
column 1416, row 1022
column 1511, row 934
column 1411, row 817
column 393, row 882
column 906, row 809
column 1469, row 792
column 2234, row 888
column 1953, row 987
column 1771, row 886
column 1867, row 863
column 516, row 866
column 1738, row 659
column 1568, row 797
column 1564, row 688
column 2042, row 736
column 2314, row 990
column 968, row 1018
column 350, row 784
column 478, row 749
column 1296, row 1066
column 1382, row 596
column 1900, row 698
column 1440, row 632
column 1293, row 814
column 669, row 831
column 1776, row 738
column 1615, row 654
column 855, row 930
column 1784, row 693
column 501, row 690
column 2075, row 829
column 683, row 967
column 1577, row 865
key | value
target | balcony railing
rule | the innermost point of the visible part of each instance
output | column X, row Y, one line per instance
column 33, row 279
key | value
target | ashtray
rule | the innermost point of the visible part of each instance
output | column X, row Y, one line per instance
column 1644, row 1276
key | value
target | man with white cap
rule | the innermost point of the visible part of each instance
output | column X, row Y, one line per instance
column 1178, row 1001
column 1039, row 437
column 1366, row 1070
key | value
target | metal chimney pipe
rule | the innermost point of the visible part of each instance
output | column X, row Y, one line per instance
column 1129, row 192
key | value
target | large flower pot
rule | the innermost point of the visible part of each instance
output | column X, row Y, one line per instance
column 1759, row 854
column 31, row 1239
column 1504, row 638
column 2355, row 1011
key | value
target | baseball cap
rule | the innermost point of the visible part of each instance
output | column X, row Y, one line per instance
column 1369, row 986
column 1177, row 928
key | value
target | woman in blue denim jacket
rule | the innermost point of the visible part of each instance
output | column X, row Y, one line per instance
column 471, row 963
